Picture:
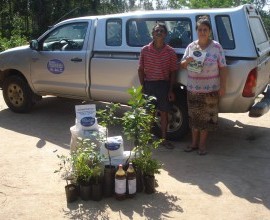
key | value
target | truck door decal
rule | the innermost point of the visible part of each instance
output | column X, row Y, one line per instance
column 55, row 66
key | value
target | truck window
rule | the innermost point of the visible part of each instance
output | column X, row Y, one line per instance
column 258, row 32
column 114, row 32
column 66, row 37
column 139, row 32
column 224, row 30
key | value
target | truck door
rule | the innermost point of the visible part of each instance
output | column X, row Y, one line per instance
column 60, row 66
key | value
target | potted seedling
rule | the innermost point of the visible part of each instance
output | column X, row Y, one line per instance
column 150, row 167
column 65, row 168
column 82, row 170
column 106, row 118
column 137, row 124
column 95, row 164
column 140, row 118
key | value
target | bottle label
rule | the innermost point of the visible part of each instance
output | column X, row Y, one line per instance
column 120, row 186
column 132, row 186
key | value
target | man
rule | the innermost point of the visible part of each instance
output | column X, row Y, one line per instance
column 157, row 70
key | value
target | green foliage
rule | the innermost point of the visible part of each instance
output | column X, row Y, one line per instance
column 106, row 117
column 137, row 124
column 213, row 3
column 87, row 162
column 138, row 121
column 223, row 4
column 65, row 168
column 266, row 20
column 148, row 165
column 31, row 18
column 14, row 41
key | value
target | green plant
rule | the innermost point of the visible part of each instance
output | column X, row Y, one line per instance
column 87, row 162
column 138, row 121
column 65, row 168
column 140, row 118
column 145, row 161
column 14, row 41
column 106, row 117
column 137, row 124
column 151, row 166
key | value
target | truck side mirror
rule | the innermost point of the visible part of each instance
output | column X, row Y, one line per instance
column 34, row 45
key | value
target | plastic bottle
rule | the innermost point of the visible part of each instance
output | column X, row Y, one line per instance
column 131, row 181
column 120, row 183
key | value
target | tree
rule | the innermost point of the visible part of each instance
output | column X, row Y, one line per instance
column 214, row 3
column 266, row 20
column 260, row 4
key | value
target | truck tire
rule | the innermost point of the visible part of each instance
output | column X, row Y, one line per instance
column 17, row 94
column 177, row 119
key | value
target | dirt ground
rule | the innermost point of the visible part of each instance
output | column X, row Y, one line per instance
column 231, row 182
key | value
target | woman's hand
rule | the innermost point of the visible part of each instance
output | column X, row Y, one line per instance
column 185, row 62
column 189, row 59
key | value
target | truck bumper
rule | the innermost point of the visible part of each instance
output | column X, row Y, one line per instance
column 262, row 107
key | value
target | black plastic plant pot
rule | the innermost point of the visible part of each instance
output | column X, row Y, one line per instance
column 149, row 184
column 85, row 192
column 139, row 181
column 108, row 181
column 97, row 192
column 71, row 193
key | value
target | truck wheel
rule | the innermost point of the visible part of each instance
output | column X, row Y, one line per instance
column 177, row 120
column 17, row 94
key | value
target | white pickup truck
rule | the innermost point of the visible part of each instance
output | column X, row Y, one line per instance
column 96, row 58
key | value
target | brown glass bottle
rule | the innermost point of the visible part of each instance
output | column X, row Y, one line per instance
column 120, row 183
column 131, row 181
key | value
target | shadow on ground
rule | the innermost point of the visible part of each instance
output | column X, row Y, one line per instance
column 49, row 120
column 238, row 158
column 155, row 206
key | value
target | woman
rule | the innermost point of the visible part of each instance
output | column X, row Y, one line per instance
column 206, row 83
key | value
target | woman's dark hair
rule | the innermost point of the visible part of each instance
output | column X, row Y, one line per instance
column 203, row 20
column 160, row 25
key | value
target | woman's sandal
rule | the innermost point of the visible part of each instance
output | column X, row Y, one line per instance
column 190, row 149
column 202, row 152
column 167, row 145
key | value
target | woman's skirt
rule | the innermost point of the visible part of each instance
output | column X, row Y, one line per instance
column 203, row 110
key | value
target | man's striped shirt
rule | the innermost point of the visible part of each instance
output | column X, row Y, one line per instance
column 157, row 65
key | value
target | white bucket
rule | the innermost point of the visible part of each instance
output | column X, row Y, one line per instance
column 113, row 146
column 115, row 161
column 97, row 136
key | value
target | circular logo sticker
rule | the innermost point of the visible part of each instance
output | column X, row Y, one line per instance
column 197, row 53
column 112, row 146
column 88, row 121
column 55, row 66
